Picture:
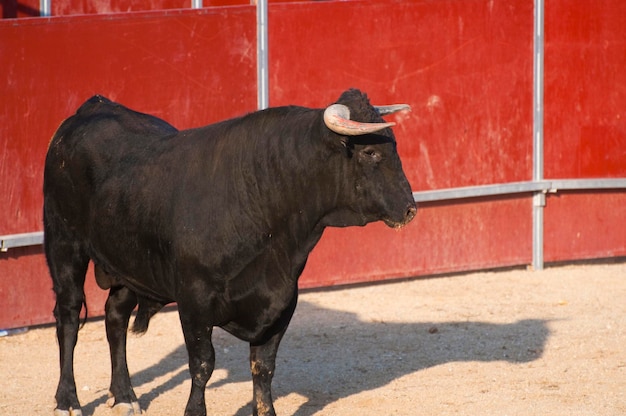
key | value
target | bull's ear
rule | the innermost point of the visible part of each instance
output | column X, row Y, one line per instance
column 337, row 119
column 385, row 110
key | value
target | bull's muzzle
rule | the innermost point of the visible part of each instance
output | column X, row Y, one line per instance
column 409, row 214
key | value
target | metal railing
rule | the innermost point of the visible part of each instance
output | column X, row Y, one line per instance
column 450, row 194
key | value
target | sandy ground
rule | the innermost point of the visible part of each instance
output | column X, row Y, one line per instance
column 494, row 343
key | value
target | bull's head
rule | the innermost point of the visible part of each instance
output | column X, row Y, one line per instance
column 380, row 188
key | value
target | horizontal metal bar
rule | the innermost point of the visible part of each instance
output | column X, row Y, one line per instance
column 20, row 240
column 478, row 191
column 600, row 183
column 554, row 185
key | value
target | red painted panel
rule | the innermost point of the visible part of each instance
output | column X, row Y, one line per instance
column 464, row 66
column 31, row 8
column 443, row 237
column 466, row 69
column 580, row 225
column 585, row 89
column 26, row 289
column 73, row 7
column 585, row 126
column 189, row 67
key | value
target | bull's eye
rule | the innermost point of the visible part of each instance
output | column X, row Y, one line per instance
column 371, row 154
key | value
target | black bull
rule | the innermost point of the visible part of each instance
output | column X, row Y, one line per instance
column 219, row 219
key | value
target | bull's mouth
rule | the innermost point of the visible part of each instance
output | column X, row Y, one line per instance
column 395, row 224
column 408, row 216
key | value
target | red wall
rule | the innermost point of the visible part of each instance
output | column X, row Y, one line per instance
column 583, row 225
column 466, row 69
column 585, row 89
column 464, row 66
column 585, row 126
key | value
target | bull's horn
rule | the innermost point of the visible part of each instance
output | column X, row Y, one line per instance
column 337, row 118
column 384, row 110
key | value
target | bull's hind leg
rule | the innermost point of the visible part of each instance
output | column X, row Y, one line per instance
column 68, row 264
column 119, row 306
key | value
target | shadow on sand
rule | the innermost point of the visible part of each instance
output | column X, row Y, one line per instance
column 327, row 355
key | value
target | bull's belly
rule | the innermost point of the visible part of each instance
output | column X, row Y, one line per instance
column 146, row 275
column 259, row 317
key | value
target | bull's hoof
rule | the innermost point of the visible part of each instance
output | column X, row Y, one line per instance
column 124, row 409
column 71, row 412
column 127, row 409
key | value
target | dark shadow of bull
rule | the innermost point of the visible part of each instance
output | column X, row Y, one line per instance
column 345, row 355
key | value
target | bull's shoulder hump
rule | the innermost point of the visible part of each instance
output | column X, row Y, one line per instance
column 99, row 107
column 95, row 104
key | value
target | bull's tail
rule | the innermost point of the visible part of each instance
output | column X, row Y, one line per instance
column 86, row 314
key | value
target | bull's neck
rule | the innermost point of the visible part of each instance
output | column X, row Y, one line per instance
column 297, row 173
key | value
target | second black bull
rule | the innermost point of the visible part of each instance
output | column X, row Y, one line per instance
column 219, row 219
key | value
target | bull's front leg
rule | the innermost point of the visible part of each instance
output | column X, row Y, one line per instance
column 197, row 334
column 263, row 364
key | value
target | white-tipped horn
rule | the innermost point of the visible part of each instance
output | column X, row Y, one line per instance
column 337, row 118
column 384, row 110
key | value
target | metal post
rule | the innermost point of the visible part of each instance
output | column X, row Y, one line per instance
column 539, row 198
column 262, row 55
column 196, row 4
column 44, row 8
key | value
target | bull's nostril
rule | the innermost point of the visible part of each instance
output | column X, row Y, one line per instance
column 410, row 213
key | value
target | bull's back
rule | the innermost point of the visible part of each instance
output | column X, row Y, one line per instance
column 86, row 149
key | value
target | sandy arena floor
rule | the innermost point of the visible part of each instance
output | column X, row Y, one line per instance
column 494, row 343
